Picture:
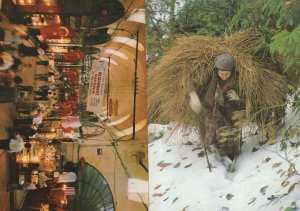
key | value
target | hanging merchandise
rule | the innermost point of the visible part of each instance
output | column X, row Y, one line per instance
column 71, row 121
column 74, row 55
column 38, row 9
column 50, row 153
column 35, row 177
column 56, row 31
column 21, row 177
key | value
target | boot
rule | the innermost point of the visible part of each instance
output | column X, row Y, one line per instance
column 226, row 161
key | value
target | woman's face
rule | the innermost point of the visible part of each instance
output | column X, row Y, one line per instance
column 223, row 74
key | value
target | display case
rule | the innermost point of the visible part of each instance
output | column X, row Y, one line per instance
column 38, row 163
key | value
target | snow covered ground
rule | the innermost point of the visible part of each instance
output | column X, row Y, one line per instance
column 181, row 181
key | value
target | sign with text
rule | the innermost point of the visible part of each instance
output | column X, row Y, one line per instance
column 96, row 86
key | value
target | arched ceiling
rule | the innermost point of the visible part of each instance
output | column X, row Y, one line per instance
column 127, row 30
column 122, row 75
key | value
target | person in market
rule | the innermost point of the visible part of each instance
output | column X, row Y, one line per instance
column 30, row 120
column 47, row 87
column 8, row 91
column 218, row 102
column 9, row 79
column 46, row 63
column 6, row 60
column 28, row 107
column 23, row 49
column 48, row 77
column 9, row 59
column 11, row 34
column 12, row 145
column 25, row 131
column 25, row 88
column 44, row 95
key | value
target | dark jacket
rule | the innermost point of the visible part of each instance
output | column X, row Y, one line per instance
column 218, row 109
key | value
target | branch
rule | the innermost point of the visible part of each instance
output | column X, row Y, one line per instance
column 287, row 160
column 155, row 27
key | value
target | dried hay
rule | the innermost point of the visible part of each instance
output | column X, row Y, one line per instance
column 192, row 58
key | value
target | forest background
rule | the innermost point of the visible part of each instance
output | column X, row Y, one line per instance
column 277, row 21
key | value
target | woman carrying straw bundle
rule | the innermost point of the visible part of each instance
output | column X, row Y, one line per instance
column 219, row 101
column 185, row 73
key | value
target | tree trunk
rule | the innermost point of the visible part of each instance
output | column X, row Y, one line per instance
column 172, row 21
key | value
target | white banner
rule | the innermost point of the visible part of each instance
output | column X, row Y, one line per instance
column 96, row 86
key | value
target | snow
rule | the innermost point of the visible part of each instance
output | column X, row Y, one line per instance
column 180, row 179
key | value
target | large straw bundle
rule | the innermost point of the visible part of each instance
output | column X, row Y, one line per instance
column 192, row 58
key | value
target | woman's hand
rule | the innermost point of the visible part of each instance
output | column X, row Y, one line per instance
column 232, row 95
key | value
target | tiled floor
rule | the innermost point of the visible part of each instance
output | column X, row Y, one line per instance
column 7, row 114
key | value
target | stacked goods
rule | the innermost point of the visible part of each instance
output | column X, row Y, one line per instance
column 191, row 60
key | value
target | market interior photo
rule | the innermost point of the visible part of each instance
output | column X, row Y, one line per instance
column 73, row 105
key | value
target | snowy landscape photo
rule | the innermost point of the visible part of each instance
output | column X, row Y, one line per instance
column 266, row 178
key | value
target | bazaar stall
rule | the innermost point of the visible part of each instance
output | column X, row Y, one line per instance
column 39, row 164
